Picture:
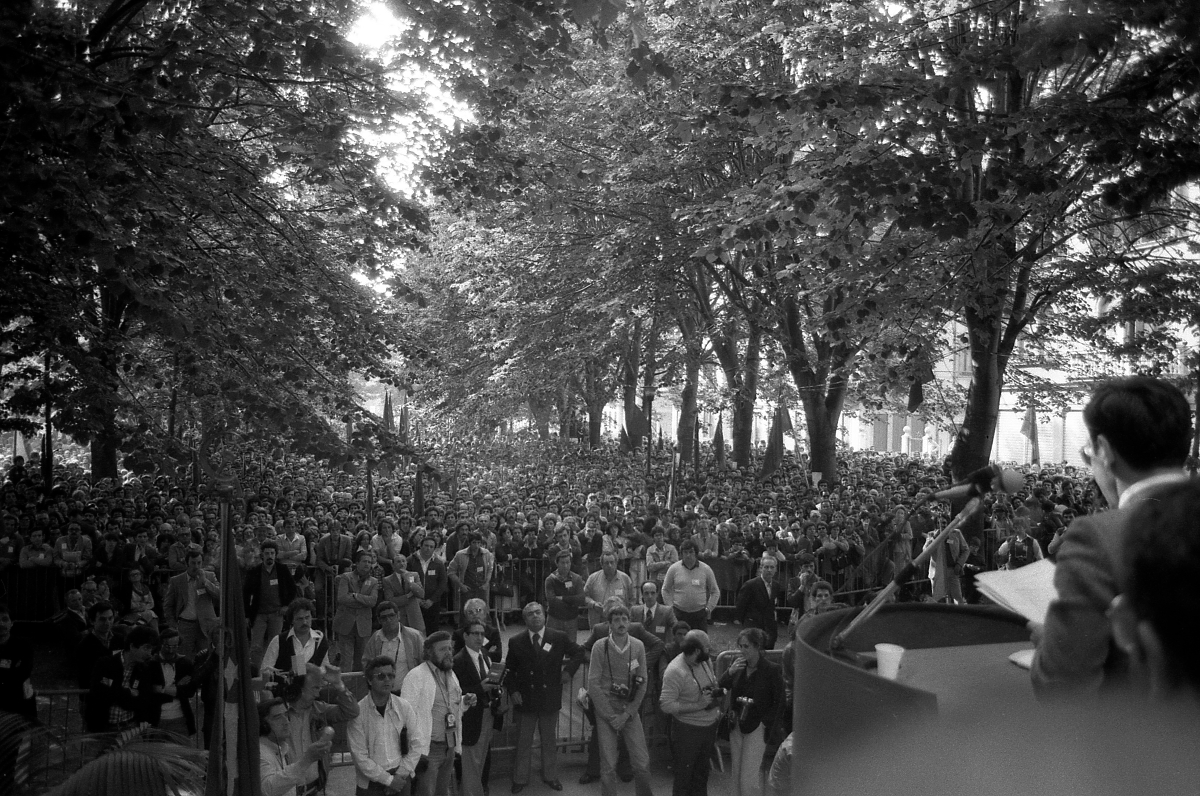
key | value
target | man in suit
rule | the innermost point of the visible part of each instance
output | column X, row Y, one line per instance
column 652, row 614
column 191, row 604
column 268, row 590
column 471, row 665
column 433, row 577
column 539, row 661
column 758, row 599
column 118, row 698
column 357, row 593
column 1139, row 430
column 170, row 678
column 471, row 570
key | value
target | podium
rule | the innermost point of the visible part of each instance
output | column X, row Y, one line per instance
column 955, row 666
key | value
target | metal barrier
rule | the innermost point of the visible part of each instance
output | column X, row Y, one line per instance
column 33, row 594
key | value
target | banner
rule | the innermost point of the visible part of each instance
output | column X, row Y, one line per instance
column 719, row 445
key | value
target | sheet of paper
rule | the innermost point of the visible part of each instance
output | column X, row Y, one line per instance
column 1023, row 658
column 1027, row 591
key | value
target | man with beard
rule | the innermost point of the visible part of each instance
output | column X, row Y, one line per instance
column 437, row 700
column 268, row 590
column 691, row 696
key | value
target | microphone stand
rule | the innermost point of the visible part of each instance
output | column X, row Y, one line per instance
column 904, row 574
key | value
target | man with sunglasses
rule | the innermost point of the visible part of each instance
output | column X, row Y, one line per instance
column 381, row 744
column 1139, row 431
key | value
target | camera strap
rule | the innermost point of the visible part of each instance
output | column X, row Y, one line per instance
column 628, row 661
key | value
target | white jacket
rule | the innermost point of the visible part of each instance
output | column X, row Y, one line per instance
column 419, row 690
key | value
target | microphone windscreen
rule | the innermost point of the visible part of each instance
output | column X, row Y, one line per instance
column 1010, row 482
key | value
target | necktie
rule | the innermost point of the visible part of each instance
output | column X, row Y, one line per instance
column 537, row 642
column 483, row 667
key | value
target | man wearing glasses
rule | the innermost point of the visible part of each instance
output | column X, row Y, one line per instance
column 381, row 739
column 472, row 667
column 1140, row 429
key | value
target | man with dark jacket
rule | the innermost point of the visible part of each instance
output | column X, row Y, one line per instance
column 433, row 577
column 118, row 697
column 471, row 666
column 268, row 590
column 539, row 661
column 171, row 683
column 758, row 599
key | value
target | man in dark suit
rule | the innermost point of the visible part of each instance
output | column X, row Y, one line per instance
column 268, row 590
column 654, row 649
column 433, row 575
column 539, row 661
column 118, row 698
column 1139, row 430
column 757, row 600
column 170, row 680
column 471, row 666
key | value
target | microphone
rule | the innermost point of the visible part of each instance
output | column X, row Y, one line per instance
column 981, row 481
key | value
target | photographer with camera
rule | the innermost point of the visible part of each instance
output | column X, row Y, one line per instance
column 616, row 686
column 756, row 693
column 690, row 695
column 309, row 716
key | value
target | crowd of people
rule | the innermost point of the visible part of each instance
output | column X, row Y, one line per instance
column 342, row 576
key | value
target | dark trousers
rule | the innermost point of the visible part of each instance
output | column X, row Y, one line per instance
column 697, row 620
column 691, row 748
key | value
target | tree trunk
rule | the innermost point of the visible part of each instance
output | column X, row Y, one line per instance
column 595, row 421
column 540, row 408
column 649, row 369
column 565, row 406
column 822, row 434
column 685, row 437
column 635, row 422
column 973, row 445
column 48, row 440
column 744, row 397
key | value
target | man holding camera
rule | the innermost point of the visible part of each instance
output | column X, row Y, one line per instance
column 616, row 686
column 690, row 694
column 473, row 667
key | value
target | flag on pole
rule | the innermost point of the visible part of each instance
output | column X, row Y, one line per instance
column 418, row 496
column 719, row 445
column 370, row 496
column 402, row 429
column 696, row 446
column 773, row 457
column 20, row 447
column 389, row 422
column 671, row 482
column 349, row 429
column 625, row 445
column 1029, row 430
column 233, row 764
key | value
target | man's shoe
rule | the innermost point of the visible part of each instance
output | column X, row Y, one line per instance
column 625, row 777
column 554, row 784
column 517, row 788
column 588, row 779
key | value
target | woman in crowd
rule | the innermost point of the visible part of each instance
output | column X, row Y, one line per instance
column 756, row 695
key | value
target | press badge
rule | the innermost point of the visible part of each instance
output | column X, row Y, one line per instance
column 695, row 581
column 546, row 646
column 5, row 664
column 274, row 581
column 660, row 628
column 451, row 722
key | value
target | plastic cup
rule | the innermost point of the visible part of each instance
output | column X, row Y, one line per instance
column 888, row 657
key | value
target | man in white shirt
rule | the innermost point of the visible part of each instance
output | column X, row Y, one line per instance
column 381, row 738
column 436, row 697
column 299, row 645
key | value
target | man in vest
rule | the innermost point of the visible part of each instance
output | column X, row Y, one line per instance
column 299, row 645
column 1020, row 549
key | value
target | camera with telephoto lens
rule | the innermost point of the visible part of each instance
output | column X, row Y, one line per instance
column 744, row 705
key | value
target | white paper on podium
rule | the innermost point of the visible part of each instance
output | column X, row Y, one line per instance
column 1027, row 591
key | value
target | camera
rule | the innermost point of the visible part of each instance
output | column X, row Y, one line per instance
column 744, row 705
column 715, row 694
column 620, row 690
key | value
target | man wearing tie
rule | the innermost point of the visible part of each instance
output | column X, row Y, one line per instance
column 535, row 660
column 433, row 574
column 757, row 600
column 471, row 665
